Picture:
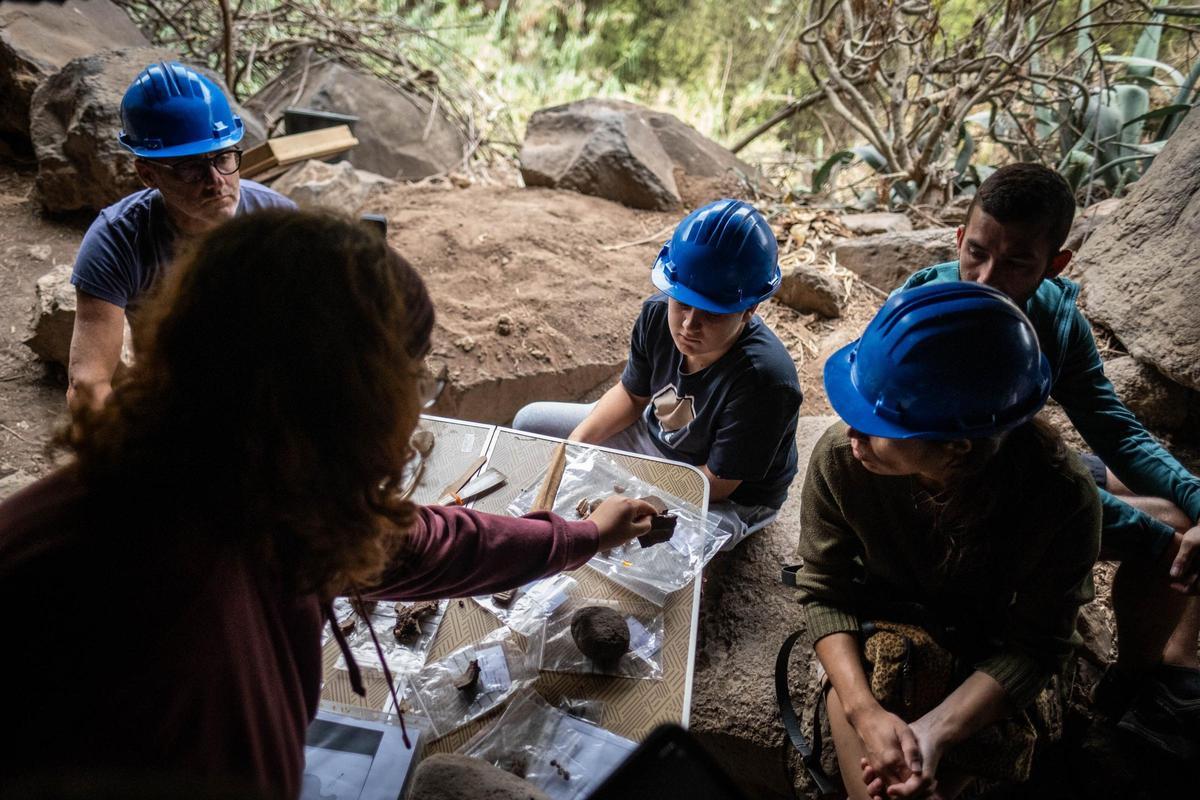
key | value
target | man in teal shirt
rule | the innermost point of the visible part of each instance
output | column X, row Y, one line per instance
column 1012, row 241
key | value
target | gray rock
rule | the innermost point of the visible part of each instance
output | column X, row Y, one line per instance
column 449, row 776
column 746, row 613
column 54, row 319
column 38, row 39
column 75, row 119
column 1096, row 626
column 399, row 135
column 1138, row 270
column 808, row 290
column 602, row 148
column 885, row 260
column 1087, row 221
column 338, row 185
column 876, row 222
column 1156, row 401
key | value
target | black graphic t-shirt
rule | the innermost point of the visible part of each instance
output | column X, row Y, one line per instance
column 737, row 415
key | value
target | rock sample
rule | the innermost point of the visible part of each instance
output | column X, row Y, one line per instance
column 630, row 154
column 75, row 119
column 885, row 260
column 745, row 614
column 1138, row 270
column 600, row 633
column 1156, row 401
column 339, row 185
column 449, row 776
column 400, row 135
column 811, row 291
column 38, row 39
column 54, row 319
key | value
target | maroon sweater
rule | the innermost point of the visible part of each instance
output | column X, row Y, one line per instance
column 138, row 661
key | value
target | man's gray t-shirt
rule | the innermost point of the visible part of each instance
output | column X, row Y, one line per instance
column 130, row 244
column 737, row 416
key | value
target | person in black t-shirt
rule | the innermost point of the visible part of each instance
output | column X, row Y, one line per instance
column 707, row 382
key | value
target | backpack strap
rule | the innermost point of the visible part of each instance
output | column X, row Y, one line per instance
column 810, row 755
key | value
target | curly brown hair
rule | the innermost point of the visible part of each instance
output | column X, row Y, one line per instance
column 273, row 394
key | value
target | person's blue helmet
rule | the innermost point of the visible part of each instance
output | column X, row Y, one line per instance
column 171, row 110
column 721, row 258
column 941, row 361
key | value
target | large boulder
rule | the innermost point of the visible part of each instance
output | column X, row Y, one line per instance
column 746, row 613
column 1138, row 270
column 449, row 776
column 1087, row 221
column 1156, row 401
column 38, row 39
column 399, row 134
column 338, row 185
column 75, row 119
column 54, row 319
column 887, row 259
column 631, row 154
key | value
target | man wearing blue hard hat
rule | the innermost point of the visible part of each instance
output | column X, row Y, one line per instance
column 948, row 539
column 707, row 382
column 185, row 135
column 1012, row 240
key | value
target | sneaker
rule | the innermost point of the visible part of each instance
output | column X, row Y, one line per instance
column 1166, row 712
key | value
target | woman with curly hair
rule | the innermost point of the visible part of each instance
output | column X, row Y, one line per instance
column 166, row 590
column 948, row 540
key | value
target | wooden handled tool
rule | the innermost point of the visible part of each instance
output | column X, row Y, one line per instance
column 544, row 501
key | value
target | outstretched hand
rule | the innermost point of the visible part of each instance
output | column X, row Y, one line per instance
column 621, row 519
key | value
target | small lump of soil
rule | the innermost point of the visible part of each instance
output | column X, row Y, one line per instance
column 600, row 633
column 408, row 620
column 504, row 599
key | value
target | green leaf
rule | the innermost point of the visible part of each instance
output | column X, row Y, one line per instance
column 1158, row 113
column 1142, row 67
column 872, row 156
column 823, row 173
column 1146, row 50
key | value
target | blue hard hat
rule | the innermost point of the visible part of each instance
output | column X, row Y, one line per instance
column 171, row 110
column 721, row 258
column 955, row 360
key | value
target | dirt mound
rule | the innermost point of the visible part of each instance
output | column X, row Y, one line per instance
column 536, row 289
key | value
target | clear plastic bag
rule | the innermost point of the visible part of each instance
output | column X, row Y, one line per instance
column 403, row 657
column 502, row 668
column 564, row 756
column 652, row 572
column 553, row 647
column 531, row 604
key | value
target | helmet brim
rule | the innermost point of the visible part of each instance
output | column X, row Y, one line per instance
column 189, row 149
column 688, row 297
column 849, row 404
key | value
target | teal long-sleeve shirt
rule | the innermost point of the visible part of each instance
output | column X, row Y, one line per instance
column 1090, row 401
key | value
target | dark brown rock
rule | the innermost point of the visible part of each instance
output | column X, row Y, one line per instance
column 468, row 681
column 38, row 39
column 600, row 633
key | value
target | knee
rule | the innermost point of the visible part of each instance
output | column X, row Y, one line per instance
column 527, row 418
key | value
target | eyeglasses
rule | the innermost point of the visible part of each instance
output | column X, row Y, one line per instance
column 431, row 384
column 194, row 170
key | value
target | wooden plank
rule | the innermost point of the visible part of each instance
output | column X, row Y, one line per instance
column 284, row 150
column 549, row 490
